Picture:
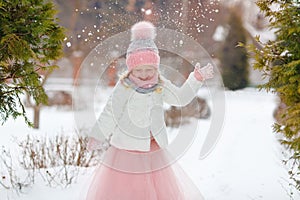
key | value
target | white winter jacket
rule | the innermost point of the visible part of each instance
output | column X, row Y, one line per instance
column 130, row 119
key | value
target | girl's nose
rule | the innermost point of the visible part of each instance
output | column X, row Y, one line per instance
column 144, row 74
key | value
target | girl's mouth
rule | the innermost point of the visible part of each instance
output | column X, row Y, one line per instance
column 145, row 79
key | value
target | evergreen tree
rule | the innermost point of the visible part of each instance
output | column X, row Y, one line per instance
column 30, row 40
column 280, row 62
column 234, row 62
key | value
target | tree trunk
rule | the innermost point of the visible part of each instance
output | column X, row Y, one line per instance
column 36, row 116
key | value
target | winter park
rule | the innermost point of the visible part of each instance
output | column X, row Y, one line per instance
column 153, row 100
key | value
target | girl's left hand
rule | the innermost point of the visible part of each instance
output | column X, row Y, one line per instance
column 203, row 73
column 94, row 144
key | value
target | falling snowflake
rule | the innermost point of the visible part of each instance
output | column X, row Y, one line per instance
column 69, row 44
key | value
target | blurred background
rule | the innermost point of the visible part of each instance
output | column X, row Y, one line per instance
column 217, row 25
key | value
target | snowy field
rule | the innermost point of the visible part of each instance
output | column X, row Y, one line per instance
column 245, row 165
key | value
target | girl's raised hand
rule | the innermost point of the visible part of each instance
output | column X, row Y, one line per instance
column 203, row 73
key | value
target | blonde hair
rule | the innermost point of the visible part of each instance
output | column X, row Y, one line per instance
column 123, row 74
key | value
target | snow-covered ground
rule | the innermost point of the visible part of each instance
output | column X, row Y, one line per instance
column 245, row 164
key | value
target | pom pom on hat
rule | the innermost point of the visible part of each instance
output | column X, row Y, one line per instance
column 142, row 50
column 143, row 30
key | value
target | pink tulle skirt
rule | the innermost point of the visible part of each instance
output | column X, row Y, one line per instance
column 165, row 183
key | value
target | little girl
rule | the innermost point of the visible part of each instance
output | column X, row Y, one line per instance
column 132, row 130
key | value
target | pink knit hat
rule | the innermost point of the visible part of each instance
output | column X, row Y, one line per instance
column 142, row 49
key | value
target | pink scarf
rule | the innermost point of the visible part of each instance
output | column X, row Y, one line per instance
column 144, row 84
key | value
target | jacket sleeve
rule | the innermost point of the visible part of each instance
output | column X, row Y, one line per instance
column 105, row 124
column 107, row 121
column 181, row 96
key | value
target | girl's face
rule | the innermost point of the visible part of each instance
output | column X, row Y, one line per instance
column 144, row 72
